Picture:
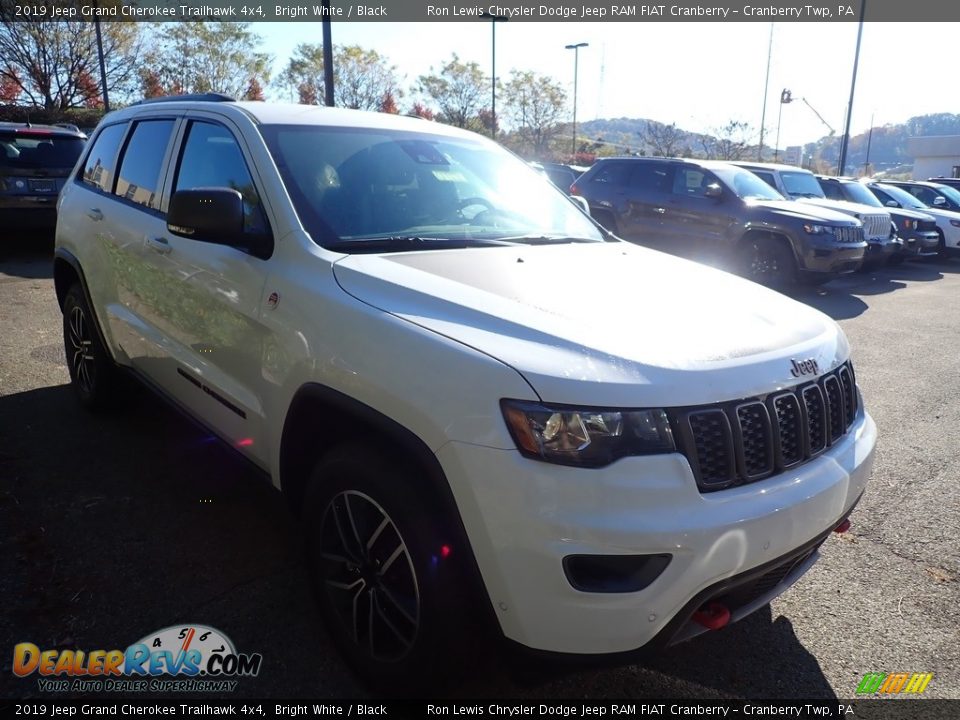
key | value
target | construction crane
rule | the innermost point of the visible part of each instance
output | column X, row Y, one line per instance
column 819, row 117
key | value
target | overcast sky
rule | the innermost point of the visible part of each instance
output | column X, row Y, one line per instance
column 699, row 75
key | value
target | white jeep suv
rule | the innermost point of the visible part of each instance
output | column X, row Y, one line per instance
column 485, row 408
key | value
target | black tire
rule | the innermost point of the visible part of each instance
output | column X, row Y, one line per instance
column 768, row 261
column 388, row 577
column 93, row 374
column 941, row 246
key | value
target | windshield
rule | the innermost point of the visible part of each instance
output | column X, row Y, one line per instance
column 949, row 192
column 745, row 184
column 35, row 150
column 352, row 186
column 902, row 196
column 859, row 194
column 801, row 185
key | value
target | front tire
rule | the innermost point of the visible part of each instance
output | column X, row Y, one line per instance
column 92, row 372
column 767, row 261
column 387, row 575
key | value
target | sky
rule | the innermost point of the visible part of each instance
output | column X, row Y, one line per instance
column 699, row 75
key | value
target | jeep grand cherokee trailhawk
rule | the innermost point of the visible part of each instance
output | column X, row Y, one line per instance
column 484, row 407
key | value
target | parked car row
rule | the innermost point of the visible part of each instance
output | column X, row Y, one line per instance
column 775, row 224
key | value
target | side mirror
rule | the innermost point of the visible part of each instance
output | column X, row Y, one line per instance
column 212, row 215
column 892, row 203
column 713, row 190
column 580, row 202
column 939, row 201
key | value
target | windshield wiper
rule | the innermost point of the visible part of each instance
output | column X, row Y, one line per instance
column 546, row 239
column 401, row 243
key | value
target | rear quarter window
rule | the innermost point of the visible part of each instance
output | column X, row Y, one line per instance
column 100, row 166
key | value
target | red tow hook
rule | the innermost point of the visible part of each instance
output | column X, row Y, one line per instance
column 842, row 527
column 712, row 616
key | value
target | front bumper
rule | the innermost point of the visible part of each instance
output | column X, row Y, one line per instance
column 830, row 258
column 524, row 517
column 922, row 243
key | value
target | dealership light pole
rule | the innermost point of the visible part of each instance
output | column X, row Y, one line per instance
column 494, row 19
column 103, row 66
column 327, row 56
column 766, row 88
column 845, row 140
column 785, row 97
column 576, row 60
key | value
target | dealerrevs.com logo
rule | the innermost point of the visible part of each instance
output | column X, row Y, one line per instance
column 179, row 658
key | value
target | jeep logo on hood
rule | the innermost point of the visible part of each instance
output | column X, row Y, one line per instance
column 804, row 367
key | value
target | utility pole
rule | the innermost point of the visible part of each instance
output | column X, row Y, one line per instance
column 327, row 56
column 576, row 59
column 103, row 65
column 766, row 88
column 845, row 140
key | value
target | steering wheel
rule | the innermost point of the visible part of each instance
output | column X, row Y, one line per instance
column 473, row 202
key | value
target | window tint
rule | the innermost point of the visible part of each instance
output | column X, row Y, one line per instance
column 832, row 190
column 39, row 150
column 881, row 196
column 766, row 177
column 651, row 177
column 923, row 194
column 98, row 170
column 212, row 158
column 139, row 176
column 611, row 174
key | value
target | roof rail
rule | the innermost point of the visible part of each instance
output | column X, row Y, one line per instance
column 198, row 97
column 67, row 126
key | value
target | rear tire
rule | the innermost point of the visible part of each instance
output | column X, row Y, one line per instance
column 768, row 261
column 388, row 577
column 93, row 374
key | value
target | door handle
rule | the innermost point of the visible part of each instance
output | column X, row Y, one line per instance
column 159, row 245
column 95, row 214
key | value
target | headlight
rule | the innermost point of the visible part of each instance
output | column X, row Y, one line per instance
column 818, row 229
column 587, row 437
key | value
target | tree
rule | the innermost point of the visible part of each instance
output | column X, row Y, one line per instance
column 535, row 105
column 204, row 56
column 389, row 104
column 362, row 78
column 421, row 111
column 459, row 90
column 48, row 62
column 10, row 87
column 663, row 140
column 732, row 141
column 90, row 90
column 254, row 90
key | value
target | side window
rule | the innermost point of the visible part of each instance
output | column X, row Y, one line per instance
column 923, row 194
column 211, row 157
column 98, row 170
column 832, row 190
column 881, row 196
column 766, row 177
column 611, row 174
column 650, row 177
column 691, row 182
column 139, row 176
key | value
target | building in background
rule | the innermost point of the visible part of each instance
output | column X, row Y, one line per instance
column 935, row 156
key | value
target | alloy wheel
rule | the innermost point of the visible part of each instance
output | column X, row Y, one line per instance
column 369, row 577
column 82, row 359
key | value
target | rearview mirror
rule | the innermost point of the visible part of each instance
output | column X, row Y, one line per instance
column 207, row 215
column 713, row 190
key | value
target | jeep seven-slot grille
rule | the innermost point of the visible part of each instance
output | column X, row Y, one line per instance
column 848, row 234
column 734, row 443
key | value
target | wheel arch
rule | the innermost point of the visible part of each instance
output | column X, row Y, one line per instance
column 67, row 271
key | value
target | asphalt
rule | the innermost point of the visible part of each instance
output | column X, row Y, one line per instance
column 113, row 526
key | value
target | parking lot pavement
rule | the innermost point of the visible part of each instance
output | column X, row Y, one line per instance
column 116, row 526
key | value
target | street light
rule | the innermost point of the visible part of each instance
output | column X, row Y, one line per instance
column 494, row 19
column 576, row 60
column 845, row 140
column 766, row 87
column 785, row 97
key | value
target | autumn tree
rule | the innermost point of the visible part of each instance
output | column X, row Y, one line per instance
column 47, row 63
column 203, row 56
column 459, row 90
column 662, row 140
column 254, row 90
column 418, row 109
column 732, row 141
column 535, row 105
column 9, row 87
column 389, row 104
column 362, row 78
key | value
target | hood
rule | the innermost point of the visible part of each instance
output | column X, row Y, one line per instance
column 843, row 206
column 803, row 211
column 607, row 324
column 910, row 214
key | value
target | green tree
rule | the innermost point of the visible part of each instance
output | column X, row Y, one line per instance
column 535, row 105
column 459, row 90
column 204, row 56
column 362, row 78
column 50, row 63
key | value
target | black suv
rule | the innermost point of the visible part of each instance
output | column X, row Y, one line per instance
column 35, row 160
column 722, row 215
column 932, row 194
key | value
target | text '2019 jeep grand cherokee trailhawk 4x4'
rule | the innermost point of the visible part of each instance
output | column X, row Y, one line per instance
column 473, row 395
